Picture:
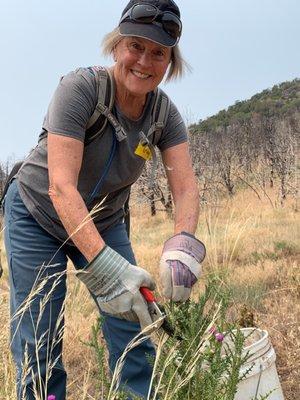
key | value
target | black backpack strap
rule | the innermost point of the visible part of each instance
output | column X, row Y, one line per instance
column 159, row 116
column 160, row 112
column 102, row 113
column 105, row 92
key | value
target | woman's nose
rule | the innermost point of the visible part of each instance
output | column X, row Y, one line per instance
column 145, row 58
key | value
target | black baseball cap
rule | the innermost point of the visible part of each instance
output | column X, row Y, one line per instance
column 165, row 29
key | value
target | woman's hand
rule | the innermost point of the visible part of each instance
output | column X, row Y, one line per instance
column 180, row 265
column 116, row 285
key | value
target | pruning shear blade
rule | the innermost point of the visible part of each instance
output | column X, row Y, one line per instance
column 157, row 313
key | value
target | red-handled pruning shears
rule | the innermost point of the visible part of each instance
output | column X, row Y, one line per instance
column 157, row 311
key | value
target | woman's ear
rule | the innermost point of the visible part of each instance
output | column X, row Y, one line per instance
column 114, row 55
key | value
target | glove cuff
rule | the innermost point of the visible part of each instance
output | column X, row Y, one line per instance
column 102, row 273
column 188, row 244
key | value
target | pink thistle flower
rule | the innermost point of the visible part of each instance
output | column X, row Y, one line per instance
column 219, row 337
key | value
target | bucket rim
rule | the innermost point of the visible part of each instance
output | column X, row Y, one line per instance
column 264, row 336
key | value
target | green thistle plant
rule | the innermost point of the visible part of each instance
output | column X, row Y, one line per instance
column 96, row 345
column 203, row 364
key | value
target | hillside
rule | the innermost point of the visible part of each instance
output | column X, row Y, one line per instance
column 253, row 143
column 279, row 101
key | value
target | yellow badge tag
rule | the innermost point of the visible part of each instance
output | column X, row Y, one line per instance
column 143, row 151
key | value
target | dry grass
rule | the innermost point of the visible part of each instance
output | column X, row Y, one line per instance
column 254, row 249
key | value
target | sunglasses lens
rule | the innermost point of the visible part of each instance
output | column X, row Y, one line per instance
column 143, row 13
column 171, row 25
column 147, row 14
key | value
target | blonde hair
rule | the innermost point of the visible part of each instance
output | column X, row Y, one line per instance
column 177, row 66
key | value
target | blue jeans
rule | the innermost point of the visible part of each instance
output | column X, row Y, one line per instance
column 37, row 329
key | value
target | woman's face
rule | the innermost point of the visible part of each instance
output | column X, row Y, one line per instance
column 140, row 65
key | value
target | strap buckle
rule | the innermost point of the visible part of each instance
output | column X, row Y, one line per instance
column 119, row 130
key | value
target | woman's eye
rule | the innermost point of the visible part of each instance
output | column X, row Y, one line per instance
column 136, row 46
column 160, row 53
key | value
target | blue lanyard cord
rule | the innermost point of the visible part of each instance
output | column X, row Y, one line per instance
column 105, row 172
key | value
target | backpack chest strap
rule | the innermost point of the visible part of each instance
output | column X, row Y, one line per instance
column 119, row 130
column 102, row 84
column 159, row 115
column 106, row 95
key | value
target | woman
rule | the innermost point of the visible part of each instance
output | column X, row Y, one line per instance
column 47, row 204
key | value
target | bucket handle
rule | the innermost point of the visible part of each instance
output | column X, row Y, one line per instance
column 259, row 379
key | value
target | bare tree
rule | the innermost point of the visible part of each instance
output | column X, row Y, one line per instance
column 284, row 156
column 153, row 187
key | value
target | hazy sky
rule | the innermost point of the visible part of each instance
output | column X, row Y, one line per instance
column 235, row 47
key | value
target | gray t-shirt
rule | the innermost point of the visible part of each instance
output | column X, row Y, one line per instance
column 69, row 111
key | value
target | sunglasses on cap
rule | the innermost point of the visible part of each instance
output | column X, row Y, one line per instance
column 149, row 14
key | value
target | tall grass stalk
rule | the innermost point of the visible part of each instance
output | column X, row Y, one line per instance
column 224, row 237
column 49, row 338
column 136, row 341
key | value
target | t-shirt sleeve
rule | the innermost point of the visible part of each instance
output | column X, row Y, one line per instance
column 175, row 130
column 72, row 104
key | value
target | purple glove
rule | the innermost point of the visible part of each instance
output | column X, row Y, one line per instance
column 180, row 265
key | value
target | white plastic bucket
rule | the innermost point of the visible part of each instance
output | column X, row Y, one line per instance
column 262, row 378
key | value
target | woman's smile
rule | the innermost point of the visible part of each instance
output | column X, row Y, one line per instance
column 140, row 75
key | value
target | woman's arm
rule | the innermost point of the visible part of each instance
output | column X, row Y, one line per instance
column 64, row 163
column 184, row 188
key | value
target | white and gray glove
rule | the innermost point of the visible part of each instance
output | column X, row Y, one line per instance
column 180, row 265
column 116, row 284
